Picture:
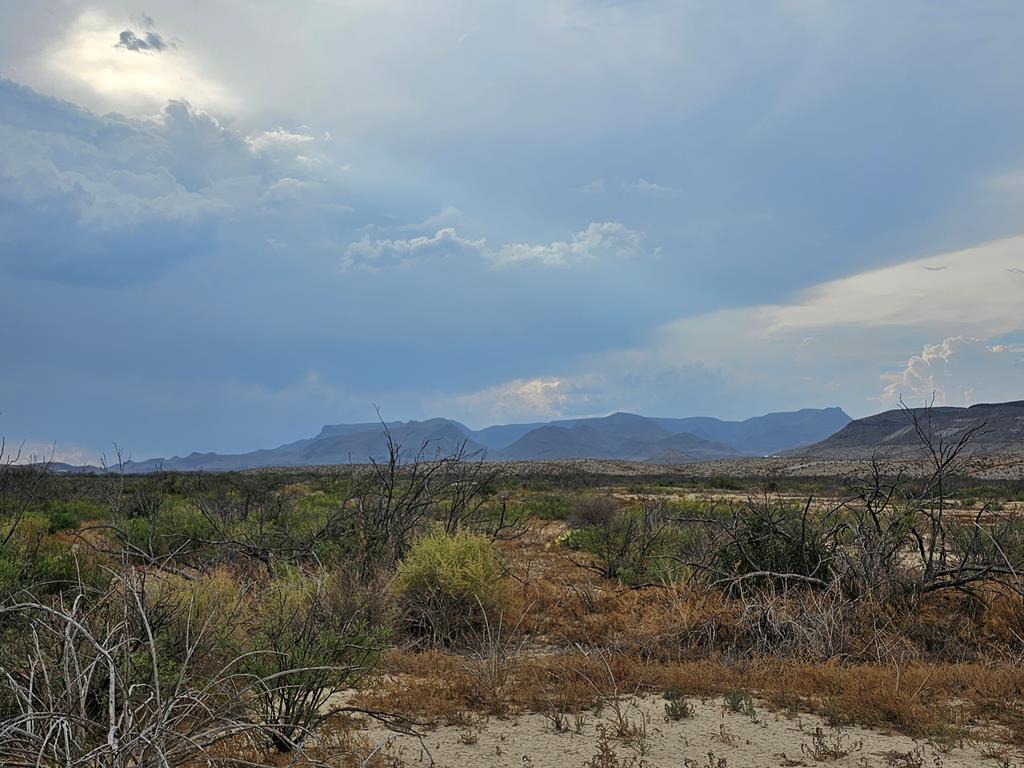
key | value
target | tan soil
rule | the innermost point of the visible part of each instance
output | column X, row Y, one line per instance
column 767, row 740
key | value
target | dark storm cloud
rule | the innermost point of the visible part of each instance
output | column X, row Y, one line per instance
column 149, row 42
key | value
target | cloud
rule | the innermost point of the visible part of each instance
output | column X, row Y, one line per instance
column 827, row 345
column 604, row 240
column 517, row 400
column 959, row 370
column 855, row 326
column 279, row 141
column 150, row 42
column 88, row 199
column 970, row 295
column 446, row 215
column 85, row 64
column 595, row 187
column 34, row 451
column 287, row 188
column 643, row 186
column 379, row 254
column 594, row 387
column 599, row 241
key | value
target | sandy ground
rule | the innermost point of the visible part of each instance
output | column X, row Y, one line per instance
column 711, row 738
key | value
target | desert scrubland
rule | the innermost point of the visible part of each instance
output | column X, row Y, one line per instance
column 444, row 610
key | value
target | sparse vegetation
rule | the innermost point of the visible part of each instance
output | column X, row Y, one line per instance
column 176, row 620
column 676, row 705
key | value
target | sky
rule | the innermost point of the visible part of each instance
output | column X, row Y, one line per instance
column 225, row 224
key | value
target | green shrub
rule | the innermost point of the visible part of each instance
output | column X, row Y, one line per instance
column 173, row 526
column 676, row 706
column 625, row 544
column 549, row 506
column 777, row 537
column 445, row 582
column 68, row 515
column 740, row 702
column 201, row 619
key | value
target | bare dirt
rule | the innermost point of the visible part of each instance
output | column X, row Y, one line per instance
column 713, row 737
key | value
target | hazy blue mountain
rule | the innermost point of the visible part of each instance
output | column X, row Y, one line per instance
column 336, row 444
column 618, row 436
column 768, row 434
column 501, row 435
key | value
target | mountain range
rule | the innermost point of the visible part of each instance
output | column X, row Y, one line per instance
column 618, row 436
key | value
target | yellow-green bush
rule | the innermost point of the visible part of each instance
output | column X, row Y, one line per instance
column 445, row 584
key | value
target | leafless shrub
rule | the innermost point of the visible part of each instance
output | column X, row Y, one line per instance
column 391, row 502
column 24, row 481
column 146, row 673
column 596, row 510
column 503, row 523
column 607, row 756
column 558, row 720
column 86, row 687
column 828, row 746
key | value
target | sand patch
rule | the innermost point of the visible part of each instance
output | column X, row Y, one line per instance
column 638, row 734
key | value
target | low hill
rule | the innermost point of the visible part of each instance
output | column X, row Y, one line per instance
column 891, row 434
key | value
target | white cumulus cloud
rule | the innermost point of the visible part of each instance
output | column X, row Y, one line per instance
column 372, row 255
column 599, row 241
column 278, row 141
column 959, row 370
column 532, row 399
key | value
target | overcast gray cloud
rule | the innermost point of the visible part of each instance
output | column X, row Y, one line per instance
column 114, row 199
column 671, row 207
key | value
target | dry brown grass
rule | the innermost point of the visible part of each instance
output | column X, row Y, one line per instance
column 340, row 743
column 912, row 668
column 915, row 699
